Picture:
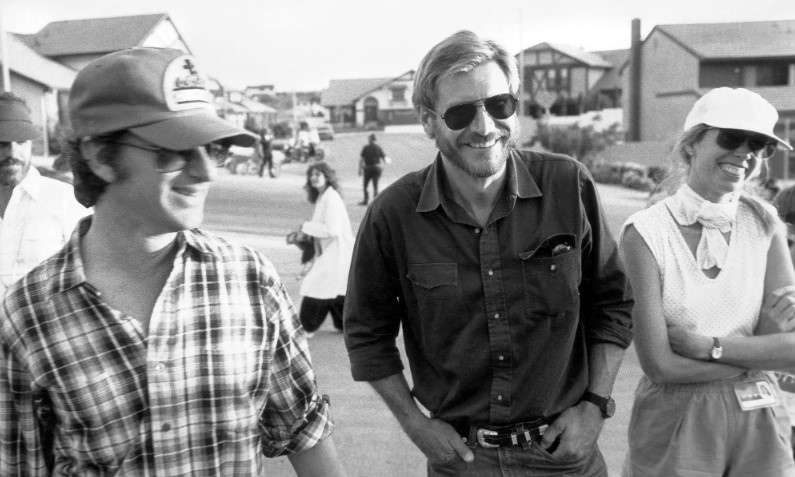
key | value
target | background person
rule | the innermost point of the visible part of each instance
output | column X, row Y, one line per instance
column 266, row 153
column 37, row 214
column 146, row 346
column 371, row 166
column 703, row 263
column 324, row 285
column 501, row 270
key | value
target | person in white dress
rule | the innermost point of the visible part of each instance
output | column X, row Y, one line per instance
column 704, row 263
column 324, row 285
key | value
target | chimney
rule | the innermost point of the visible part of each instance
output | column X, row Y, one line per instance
column 633, row 124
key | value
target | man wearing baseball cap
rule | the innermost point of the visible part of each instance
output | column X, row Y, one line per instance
column 37, row 214
column 146, row 346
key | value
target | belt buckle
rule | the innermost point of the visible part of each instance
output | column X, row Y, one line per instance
column 486, row 432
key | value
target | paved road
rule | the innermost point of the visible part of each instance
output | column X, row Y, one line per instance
column 260, row 212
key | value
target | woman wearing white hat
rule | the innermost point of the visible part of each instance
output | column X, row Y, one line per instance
column 704, row 263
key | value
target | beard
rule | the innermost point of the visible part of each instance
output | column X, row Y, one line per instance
column 12, row 171
column 479, row 165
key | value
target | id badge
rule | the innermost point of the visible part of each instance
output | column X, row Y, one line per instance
column 755, row 395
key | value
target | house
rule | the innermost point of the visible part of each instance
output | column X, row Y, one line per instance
column 680, row 63
column 372, row 102
column 565, row 80
column 75, row 43
column 39, row 81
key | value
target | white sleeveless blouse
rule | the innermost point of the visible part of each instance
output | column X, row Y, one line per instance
column 727, row 305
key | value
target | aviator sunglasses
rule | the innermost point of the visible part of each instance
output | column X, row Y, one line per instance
column 731, row 139
column 501, row 106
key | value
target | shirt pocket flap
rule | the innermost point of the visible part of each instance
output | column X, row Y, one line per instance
column 433, row 275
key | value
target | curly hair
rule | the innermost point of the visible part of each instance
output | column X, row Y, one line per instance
column 331, row 180
column 87, row 185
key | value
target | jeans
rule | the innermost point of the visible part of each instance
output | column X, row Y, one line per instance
column 517, row 462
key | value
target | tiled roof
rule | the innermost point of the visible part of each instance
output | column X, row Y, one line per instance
column 343, row 92
column 611, row 80
column 94, row 35
column 26, row 62
column 578, row 54
column 735, row 40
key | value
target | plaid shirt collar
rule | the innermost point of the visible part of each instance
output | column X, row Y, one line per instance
column 73, row 272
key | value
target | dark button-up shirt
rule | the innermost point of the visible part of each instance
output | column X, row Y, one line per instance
column 222, row 379
column 497, row 321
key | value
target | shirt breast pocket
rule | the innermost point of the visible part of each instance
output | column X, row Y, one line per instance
column 552, row 275
column 440, row 304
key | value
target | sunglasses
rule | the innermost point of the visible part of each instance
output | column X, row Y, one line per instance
column 168, row 160
column 731, row 139
column 501, row 106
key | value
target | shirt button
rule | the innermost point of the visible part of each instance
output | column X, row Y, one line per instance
column 160, row 367
column 491, row 272
column 501, row 357
column 477, row 230
column 165, row 427
column 553, row 267
column 499, row 397
column 496, row 315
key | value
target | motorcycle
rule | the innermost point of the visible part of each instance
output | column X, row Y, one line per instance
column 303, row 153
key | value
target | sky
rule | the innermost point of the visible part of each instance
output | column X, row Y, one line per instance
column 300, row 45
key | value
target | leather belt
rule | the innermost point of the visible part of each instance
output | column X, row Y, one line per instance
column 519, row 434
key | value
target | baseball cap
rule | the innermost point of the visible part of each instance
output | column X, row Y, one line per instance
column 735, row 109
column 158, row 94
column 16, row 124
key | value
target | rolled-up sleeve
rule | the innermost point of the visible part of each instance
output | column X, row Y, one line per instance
column 20, row 447
column 296, row 416
column 606, row 305
column 373, row 311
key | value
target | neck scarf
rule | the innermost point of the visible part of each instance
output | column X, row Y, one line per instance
column 688, row 207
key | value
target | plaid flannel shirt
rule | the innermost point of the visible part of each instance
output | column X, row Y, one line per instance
column 223, row 377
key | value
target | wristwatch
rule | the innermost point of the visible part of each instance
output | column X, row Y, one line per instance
column 717, row 350
column 605, row 404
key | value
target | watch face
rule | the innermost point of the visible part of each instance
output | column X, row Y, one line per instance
column 717, row 353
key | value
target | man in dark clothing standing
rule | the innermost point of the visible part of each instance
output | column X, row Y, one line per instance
column 267, row 153
column 499, row 267
column 371, row 165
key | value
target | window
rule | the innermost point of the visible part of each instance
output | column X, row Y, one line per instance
column 721, row 74
column 772, row 74
column 398, row 93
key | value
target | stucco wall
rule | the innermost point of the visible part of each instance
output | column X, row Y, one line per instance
column 666, row 69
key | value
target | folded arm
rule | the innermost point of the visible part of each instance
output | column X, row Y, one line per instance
column 658, row 360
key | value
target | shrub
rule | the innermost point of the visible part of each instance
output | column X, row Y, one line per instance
column 636, row 180
column 576, row 141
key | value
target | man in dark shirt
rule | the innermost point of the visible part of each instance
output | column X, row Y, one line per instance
column 500, row 267
column 371, row 166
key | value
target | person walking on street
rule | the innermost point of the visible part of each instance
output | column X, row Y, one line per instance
column 323, row 286
column 714, row 291
column 37, row 214
column 503, row 273
column 371, row 165
column 147, row 346
column 266, row 152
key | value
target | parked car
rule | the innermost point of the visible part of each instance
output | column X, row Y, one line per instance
column 325, row 132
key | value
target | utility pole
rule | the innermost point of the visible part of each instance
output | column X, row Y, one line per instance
column 4, row 53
